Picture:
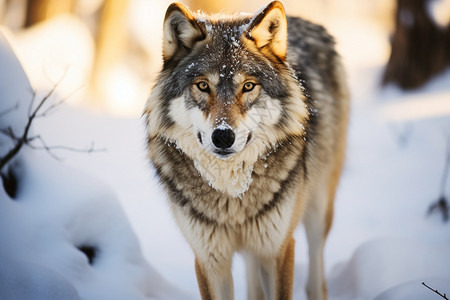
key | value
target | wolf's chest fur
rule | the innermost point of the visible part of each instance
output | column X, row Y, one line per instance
column 192, row 191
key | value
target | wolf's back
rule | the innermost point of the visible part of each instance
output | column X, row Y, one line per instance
column 318, row 67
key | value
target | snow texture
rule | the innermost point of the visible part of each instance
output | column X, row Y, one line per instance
column 21, row 280
column 59, row 212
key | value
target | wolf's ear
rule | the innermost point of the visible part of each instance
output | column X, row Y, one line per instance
column 268, row 29
column 181, row 31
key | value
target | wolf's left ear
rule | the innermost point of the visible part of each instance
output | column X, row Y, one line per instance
column 181, row 31
column 268, row 30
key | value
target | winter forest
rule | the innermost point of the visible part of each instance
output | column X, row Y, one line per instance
column 83, row 216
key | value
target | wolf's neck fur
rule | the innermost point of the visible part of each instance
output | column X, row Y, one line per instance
column 232, row 176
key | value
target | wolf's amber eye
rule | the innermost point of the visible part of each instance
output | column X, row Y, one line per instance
column 248, row 86
column 203, row 86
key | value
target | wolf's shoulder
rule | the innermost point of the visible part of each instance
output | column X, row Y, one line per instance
column 311, row 51
column 307, row 35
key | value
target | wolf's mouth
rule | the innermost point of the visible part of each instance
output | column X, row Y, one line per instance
column 224, row 153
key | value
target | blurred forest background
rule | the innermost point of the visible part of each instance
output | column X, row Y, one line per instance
column 115, row 45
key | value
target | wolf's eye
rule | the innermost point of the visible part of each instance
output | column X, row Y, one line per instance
column 248, row 86
column 203, row 86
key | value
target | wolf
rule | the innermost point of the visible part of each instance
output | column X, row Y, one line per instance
column 246, row 129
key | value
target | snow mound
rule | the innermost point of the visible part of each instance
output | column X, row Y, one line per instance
column 20, row 280
column 415, row 290
column 63, row 233
column 390, row 266
column 69, row 222
column 15, row 93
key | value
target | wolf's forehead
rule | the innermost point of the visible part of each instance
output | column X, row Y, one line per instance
column 224, row 49
column 226, row 32
column 228, row 61
column 223, row 42
column 224, row 54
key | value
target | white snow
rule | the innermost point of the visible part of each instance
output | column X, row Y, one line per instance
column 21, row 280
column 382, row 244
column 58, row 210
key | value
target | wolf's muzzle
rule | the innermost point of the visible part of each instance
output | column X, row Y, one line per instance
column 223, row 138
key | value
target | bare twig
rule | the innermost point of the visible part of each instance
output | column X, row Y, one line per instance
column 442, row 204
column 56, row 104
column 23, row 139
column 33, row 96
column 34, row 113
column 11, row 109
column 50, row 149
column 8, row 132
column 436, row 291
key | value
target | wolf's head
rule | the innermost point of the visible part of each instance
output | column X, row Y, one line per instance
column 226, row 89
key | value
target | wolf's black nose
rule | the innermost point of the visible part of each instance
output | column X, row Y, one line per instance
column 223, row 138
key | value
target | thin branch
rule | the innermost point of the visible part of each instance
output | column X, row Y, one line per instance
column 89, row 150
column 46, row 97
column 436, row 291
column 44, row 147
column 50, row 149
column 33, row 115
column 56, row 104
column 33, row 97
column 9, row 133
column 442, row 204
column 48, row 76
column 11, row 109
column 22, row 140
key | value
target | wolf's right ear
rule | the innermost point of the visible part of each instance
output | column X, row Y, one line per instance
column 181, row 31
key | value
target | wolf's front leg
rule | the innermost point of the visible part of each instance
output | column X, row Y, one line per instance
column 285, row 264
column 317, row 222
column 255, row 290
column 272, row 277
column 261, row 277
column 214, row 278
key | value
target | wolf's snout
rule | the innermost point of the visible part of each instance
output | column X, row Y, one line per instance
column 223, row 138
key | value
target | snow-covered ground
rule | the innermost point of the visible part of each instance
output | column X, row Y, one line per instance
column 382, row 244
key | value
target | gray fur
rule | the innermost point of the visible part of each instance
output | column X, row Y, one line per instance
column 287, row 173
column 310, row 54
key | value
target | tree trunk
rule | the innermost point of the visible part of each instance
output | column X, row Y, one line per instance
column 420, row 48
column 40, row 10
column 111, row 41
